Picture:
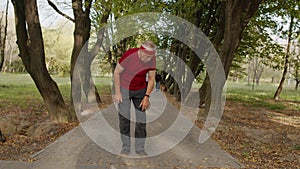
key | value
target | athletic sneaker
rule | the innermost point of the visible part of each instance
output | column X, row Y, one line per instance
column 125, row 152
column 142, row 153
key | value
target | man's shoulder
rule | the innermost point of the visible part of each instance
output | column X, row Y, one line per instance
column 128, row 53
column 131, row 51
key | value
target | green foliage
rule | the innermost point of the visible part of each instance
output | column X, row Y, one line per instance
column 284, row 11
column 258, row 42
column 58, row 48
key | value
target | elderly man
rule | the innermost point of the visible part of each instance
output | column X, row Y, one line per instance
column 130, row 85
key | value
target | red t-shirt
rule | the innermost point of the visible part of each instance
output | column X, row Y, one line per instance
column 134, row 75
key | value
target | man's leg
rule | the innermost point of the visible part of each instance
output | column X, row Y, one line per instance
column 124, row 121
column 140, row 132
column 140, row 125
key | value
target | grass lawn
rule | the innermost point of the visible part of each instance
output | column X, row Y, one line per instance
column 20, row 88
column 262, row 96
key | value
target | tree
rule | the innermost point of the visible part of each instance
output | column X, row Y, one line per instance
column 3, row 40
column 297, row 73
column 81, row 36
column 82, row 21
column 224, row 27
column 295, row 64
column 232, row 21
column 290, row 10
column 31, row 48
column 257, row 45
column 203, row 16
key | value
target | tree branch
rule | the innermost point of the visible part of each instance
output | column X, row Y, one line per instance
column 58, row 11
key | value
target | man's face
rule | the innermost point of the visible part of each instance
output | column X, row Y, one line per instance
column 145, row 57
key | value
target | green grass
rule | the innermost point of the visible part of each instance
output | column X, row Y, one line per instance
column 18, row 94
column 262, row 95
column 20, row 89
column 15, row 79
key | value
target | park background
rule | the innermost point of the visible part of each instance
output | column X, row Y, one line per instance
column 259, row 127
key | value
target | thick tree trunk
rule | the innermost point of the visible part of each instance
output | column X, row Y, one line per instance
column 30, row 43
column 232, row 22
column 237, row 15
column 286, row 64
column 82, row 76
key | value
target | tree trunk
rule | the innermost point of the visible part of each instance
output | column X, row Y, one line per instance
column 179, row 73
column 196, row 68
column 31, row 47
column 203, row 90
column 2, row 41
column 92, row 94
column 249, row 74
column 81, row 36
column 237, row 15
column 170, row 84
column 82, row 75
column 233, row 21
column 255, row 65
column 297, row 78
column 286, row 64
column 259, row 73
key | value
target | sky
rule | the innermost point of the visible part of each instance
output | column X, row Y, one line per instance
column 48, row 17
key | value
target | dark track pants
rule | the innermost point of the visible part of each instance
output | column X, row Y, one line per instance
column 124, row 119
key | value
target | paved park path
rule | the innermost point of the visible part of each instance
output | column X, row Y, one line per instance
column 81, row 147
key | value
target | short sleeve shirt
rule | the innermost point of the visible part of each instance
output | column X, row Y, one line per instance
column 134, row 75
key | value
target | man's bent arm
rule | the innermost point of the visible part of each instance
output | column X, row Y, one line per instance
column 151, row 80
column 118, row 70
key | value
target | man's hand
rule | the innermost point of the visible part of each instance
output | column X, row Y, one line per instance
column 145, row 103
column 118, row 98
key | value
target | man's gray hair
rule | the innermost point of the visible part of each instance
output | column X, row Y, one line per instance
column 149, row 45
